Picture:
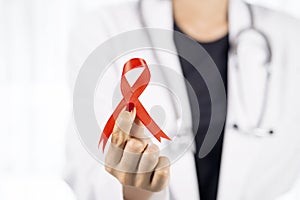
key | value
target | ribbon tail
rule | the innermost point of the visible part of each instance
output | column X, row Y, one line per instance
column 151, row 125
column 160, row 134
column 108, row 129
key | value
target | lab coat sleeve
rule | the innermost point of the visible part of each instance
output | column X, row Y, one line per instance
column 84, row 174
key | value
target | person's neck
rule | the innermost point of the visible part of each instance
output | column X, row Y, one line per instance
column 203, row 20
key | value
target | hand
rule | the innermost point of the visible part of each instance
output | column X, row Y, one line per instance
column 134, row 160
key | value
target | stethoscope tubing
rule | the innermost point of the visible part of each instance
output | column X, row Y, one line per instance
column 233, row 50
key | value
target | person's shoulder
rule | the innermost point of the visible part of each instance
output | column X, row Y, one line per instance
column 118, row 9
column 93, row 26
column 113, row 18
column 283, row 31
column 105, row 20
column 281, row 28
column 279, row 20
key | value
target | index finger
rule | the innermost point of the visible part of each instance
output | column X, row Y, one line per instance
column 122, row 127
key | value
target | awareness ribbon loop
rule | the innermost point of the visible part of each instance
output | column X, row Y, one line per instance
column 131, row 95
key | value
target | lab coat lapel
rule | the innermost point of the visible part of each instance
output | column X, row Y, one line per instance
column 183, row 181
column 238, row 151
column 246, row 82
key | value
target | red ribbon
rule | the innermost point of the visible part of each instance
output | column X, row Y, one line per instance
column 130, row 96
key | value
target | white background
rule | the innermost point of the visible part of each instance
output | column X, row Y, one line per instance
column 35, row 101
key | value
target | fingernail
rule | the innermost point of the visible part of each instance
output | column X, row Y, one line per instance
column 129, row 107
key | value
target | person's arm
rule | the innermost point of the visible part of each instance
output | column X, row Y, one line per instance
column 88, row 180
column 130, row 192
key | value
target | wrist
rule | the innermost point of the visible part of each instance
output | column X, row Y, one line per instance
column 133, row 193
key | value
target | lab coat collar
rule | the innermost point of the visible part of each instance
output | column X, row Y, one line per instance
column 160, row 14
column 238, row 17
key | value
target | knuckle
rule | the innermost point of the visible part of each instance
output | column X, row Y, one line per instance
column 108, row 169
column 163, row 164
column 155, row 189
column 163, row 174
column 160, row 187
column 114, row 138
column 134, row 145
column 165, row 160
column 124, row 178
column 139, row 183
column 142, row 180
column 118, row 138
column 109, row 165
column 152, row 158
column 153, row 148
column 162, row 182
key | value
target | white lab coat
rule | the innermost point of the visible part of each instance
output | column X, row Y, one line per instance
column 260, row 168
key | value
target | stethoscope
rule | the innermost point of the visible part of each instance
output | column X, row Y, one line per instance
column 257, row 129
